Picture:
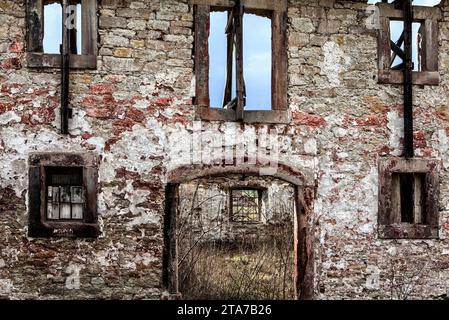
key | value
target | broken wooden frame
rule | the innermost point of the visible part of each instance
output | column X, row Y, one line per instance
column 277, row 11
column 420, row 218
column 36, row 57
column 428, row 17
column 304, row 232
column 40, row 166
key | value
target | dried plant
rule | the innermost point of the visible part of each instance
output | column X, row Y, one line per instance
column 215, row 267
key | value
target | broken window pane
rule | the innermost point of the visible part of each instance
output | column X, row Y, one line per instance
column 65, row 193
column 245, row 205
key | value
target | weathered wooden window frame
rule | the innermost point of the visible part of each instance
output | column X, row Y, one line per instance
column 279, row 110
column 39, row 225
column 429, row 17
column 389, row 218
column 36, row 58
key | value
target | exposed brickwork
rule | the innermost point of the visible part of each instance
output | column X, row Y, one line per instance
column 135, row 111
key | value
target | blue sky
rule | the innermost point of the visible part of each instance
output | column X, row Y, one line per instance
column 256, row 56
column 53, row 27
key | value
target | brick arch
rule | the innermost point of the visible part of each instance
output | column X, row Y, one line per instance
column 303, row 229
column 282, row 171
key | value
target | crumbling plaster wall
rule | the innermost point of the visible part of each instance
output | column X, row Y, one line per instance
column 136, row 112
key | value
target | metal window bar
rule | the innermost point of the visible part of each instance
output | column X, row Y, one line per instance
column 245, row 205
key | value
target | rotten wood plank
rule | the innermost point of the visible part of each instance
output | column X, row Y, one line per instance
column 279, row 61
column 202, row 29
column 170, row 239
column 238, row 25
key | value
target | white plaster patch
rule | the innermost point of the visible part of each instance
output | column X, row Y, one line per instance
column 372, row 280
column 8, row 117
column 441, row 143
column 396, row 127
column 335, row 62
column 310, row 147
column 6, row 286
column 73, row 280
column 17, row 145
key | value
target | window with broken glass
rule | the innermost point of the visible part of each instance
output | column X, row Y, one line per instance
column 245, row 205
column 424, row 43
column 52, row 22
column 63, row 195
column 248, row 37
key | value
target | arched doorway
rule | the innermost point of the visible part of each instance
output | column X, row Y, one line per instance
column 302, row 192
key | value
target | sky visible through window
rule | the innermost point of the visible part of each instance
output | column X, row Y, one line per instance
column 53, row 28
column 256, row 51
column 256, row 57
column 396, row 28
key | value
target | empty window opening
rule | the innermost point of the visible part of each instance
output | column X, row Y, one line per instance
column 65, row 193
column 245, row 205
column 217, row 57
column 257, row 61
column 397, row 45
column 53, row 26
column 410, row 197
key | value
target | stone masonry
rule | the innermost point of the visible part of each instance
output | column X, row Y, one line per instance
column 136, row 112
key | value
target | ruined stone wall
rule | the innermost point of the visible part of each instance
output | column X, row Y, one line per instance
column 135, row 111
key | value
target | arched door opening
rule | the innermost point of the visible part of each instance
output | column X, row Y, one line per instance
column 238, row 235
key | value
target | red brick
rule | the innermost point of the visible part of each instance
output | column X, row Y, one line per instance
column 38, row 116
column 86, row 135
column 11, row 63
column 90, row 100
column 135, row 114
column 5, row 107
column 102, row 88
column 16, row 47
column 162, row 102
column 308, row 119
column 102, row 113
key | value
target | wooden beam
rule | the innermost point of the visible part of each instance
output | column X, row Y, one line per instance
column 65, row 70
column 408, row 85
column 230, row 30
column 304, row 244
column 170, row 239
column 279, row 73
column 202, row 29
column 238, row 23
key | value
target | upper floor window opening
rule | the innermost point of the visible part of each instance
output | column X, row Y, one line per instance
column 47, row 23
column 241, row 60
